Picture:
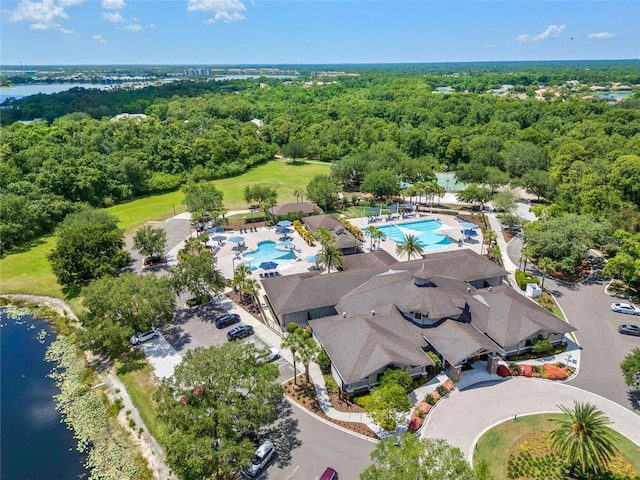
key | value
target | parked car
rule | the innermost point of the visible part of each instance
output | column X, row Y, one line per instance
column 264, row 357
column 226, row 320
column 625, row 308
column 629, row 330
column 261, row 458
column 239, row 332
column 143, row 337
column 329, row 474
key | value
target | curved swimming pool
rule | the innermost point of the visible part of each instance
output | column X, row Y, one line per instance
column 268, row 252
column 425, row 230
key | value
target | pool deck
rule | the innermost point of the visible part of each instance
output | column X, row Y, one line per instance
column 227, row 261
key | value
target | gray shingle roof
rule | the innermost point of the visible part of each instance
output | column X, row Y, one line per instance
column 344, row 238
column 304, row 207
column 362, row 345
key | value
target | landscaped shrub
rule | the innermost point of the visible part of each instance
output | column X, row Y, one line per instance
column 430, row 400
column 504, row 371
column 555, row 372
column 541, row 346
column 449, row 385
column 441, row 390
column 292, row 327
column 515, row 369
column 394, row 375
column 415, row 423
column 437, row 362
column 324, row 362
column 522, row 278
column 435, row 395
column 330, row 383
column 362, row 400
column 423, row 408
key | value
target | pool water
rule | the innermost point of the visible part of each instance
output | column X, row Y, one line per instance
column 425, row 230
column 267, row 252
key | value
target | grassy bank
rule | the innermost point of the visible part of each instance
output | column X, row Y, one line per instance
column 26, row 269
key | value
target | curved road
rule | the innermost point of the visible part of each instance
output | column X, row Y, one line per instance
column 588, row 309
column 465, row 415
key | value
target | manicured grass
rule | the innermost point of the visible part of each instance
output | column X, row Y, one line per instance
column 494, row 446
column 27, row 270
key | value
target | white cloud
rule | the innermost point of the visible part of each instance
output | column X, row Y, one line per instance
column 41, row 15
column 100, row 38
column 223, row 10
column 553, row 31
column 66, row 31
column 113, row 17
column 69, row 3
column 489, row 45
column 113, row 4
column 134, row 27
column 601, row 35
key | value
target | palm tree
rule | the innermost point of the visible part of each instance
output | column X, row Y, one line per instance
column 584, row 437
column 293, row 341
column 307, row 353
column 250, row 287
column 379, row 236
column 193, row 246
column 410, row 245
column 329, row 257
column 324, row 237
column 372, row 233
column 298, row 194
column 546, row 265
column 240, row 276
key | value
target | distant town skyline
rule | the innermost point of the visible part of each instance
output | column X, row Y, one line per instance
column 219, row 32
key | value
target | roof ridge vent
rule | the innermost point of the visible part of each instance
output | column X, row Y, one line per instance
column 373, row 313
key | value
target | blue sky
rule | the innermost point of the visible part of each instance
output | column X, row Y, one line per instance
column 215, row 32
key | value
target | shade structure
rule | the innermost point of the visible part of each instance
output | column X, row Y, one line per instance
column 283, row 230
column 268, row 265
column 284, row 223
column 218, row 238
column 286, row 244
column 311, row 259
column 216, row 230
column 236, row 239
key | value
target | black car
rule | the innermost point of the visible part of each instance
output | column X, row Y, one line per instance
column 239, row 332
column 629, row 330
column 226, row 320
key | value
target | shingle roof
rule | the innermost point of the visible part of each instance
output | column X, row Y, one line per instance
column 381, row 258
column 362, row 345
column 344, row 238
column 304, row 207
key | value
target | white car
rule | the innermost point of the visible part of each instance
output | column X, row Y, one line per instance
column 139, row 337
column 261, row 458
column 264, row 357
column 625, row 308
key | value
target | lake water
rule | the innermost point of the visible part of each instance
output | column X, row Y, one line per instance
column 34, row 443
column 21, row 91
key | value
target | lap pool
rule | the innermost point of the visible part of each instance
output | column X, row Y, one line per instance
column 268, row 252
column 425, row 230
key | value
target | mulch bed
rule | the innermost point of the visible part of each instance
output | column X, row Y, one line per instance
column 344, row 405
column 251, row 307
column 305, row 396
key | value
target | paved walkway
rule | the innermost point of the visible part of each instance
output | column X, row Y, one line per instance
column 466, row 414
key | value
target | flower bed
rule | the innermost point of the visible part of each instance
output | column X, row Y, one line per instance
column 550, row 371
column 423, row 408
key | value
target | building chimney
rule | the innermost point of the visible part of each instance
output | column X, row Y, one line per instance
column 373, row 312
column 344, row 314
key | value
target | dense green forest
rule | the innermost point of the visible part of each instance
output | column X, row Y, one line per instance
column 579, row 153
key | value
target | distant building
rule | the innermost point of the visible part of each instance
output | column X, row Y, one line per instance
column 120, row 116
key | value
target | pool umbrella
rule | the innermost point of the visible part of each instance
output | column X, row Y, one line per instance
column 283, row 230
column 311, row 259
column 284, row 223
column 236, row 239
column 216, row 230
column 218, row 238
column 268, row 265
column 286, row 244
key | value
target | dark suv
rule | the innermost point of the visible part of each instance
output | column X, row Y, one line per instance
column 239, row 332
column 226, row 320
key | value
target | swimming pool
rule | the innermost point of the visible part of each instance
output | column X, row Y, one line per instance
column 425, row 230
column 267, row 252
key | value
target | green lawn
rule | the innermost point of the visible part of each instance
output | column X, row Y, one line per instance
column 26, row 269
column 494, row 446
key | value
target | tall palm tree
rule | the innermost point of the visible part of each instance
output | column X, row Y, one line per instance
column 546, row 265
column 371, row 232
column 240, row 277
column 250, row 287
column 379, row 236
column 307, row 353
column 324, row 237
column 293, row 341
column 584, row 437
column 409, row 246
column 330, row 257
column 193, row 246
column 298, row 194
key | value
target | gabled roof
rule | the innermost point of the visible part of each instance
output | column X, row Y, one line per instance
column 462, row 264
column 304, row 207
column 380, row 258
column 361, row 345
column 344, row 238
